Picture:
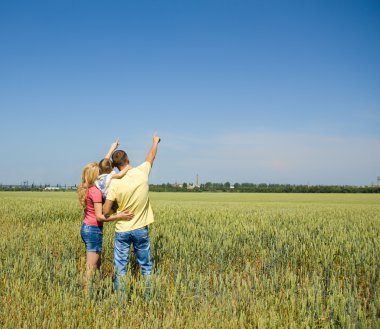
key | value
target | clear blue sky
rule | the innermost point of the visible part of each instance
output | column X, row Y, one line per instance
column 240, row 91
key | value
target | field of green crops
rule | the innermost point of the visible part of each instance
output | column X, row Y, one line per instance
column 221, row 261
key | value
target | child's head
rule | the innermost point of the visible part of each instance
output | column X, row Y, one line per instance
column 105, row 166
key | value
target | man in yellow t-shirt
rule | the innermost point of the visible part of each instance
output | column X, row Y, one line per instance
column 131, row 193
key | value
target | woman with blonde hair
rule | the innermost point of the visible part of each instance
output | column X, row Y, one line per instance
column 90, row 197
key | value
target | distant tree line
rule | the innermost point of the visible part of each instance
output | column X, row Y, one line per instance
column 35, row 187
column 263, row 188
column 222, row 187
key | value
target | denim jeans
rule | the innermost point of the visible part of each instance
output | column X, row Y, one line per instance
column 92, row 237
column 141, row 245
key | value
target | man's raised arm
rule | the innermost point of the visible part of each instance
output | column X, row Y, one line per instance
column 153, row 150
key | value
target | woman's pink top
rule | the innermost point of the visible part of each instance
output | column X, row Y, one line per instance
column 93, row 196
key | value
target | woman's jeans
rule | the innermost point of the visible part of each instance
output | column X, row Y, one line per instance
column 92, row 237
column 141, row 245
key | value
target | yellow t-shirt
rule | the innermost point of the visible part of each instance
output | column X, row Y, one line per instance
column 131, row 194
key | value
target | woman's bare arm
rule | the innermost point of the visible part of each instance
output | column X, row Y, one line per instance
column 100, row 217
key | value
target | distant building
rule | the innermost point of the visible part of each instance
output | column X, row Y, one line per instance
column 191, row 186
column 52, row 188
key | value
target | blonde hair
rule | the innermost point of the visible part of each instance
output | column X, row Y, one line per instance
column 89, row 175
column 105, row 166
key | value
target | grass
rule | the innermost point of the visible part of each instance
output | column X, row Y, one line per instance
column 221, row 260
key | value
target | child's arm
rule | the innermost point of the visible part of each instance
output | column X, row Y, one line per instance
column 113, row 147
column 121, row 173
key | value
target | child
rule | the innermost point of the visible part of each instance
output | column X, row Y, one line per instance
column 106, row 173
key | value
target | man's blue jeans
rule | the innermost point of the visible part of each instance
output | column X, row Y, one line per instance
column 141, row 245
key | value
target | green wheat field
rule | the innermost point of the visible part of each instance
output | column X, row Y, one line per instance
column 222, row 260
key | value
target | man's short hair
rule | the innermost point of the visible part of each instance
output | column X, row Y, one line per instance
column 119, row 158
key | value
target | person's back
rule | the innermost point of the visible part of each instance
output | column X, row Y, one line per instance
column 132, row 192
column 107, row 174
